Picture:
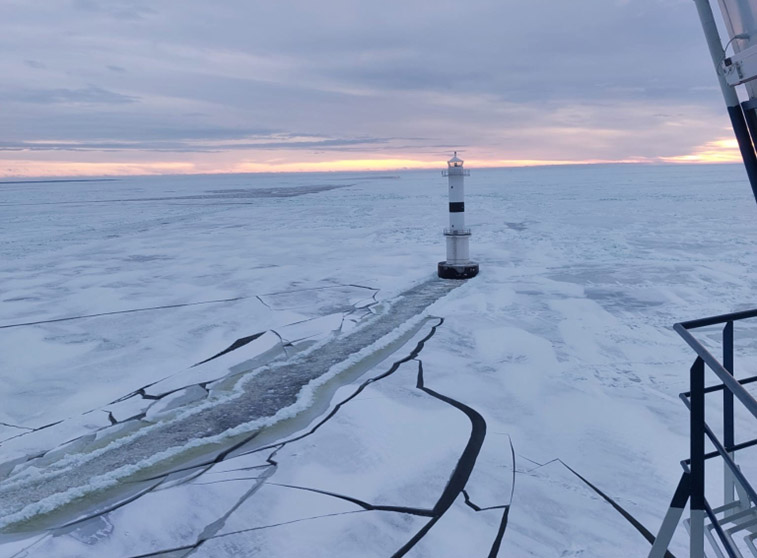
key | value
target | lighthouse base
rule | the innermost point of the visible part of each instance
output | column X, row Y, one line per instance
column 457, row 271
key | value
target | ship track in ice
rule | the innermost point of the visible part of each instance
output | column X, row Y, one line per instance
column 94, row 473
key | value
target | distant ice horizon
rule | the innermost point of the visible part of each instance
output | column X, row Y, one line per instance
column 40, row 178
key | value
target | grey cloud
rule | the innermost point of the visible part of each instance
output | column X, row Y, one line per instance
column 204, row 74
column 118, row 9
column 320, row 144
column 36, row 64
column 192, row 146
column 89, row 95
column 409, row 77
column 550, row 49
column 78, row 123
column 528, row 51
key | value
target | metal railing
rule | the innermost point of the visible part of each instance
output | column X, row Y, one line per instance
column 456, row 171
column 456, row 232
column 738, row 512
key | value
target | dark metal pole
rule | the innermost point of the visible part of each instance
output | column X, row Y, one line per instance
column 728, row 432
column 735, row 112
column 750, row 116
column 728, row 428
column 745, row 145
column 697, row 434
column 672, row 517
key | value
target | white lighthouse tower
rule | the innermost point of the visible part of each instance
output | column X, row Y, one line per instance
column 458, row 264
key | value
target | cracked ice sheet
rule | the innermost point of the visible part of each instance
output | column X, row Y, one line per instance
column 490, row 483
column 39, row 489
column 460, row 532
column 165, row 519
column 391, row 427
column 368, row 534
column 551, row 408
column 554, row 509
column 317, row 301
column 207, row 499
column 104, row 257
column 15, row 547
column 106, row 463
column 180, row 514
column 253, row 353
column 276, row 505
column 391, row 443
column 71, row 367
column 10, row 431
column 65, row 260
column 549, row 240
column 267, row 346
column 28, row 443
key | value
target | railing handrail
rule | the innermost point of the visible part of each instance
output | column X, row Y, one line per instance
column 722, row 451
column 722, row 373
column 719, row 319
column 691, row 487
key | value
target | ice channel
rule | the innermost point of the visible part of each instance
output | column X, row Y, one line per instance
column 113, row 465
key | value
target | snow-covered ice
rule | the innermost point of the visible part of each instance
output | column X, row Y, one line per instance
column 121, row 435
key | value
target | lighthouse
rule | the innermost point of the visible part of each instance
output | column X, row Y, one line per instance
column 458, row 264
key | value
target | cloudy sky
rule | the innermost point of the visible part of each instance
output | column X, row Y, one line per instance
column 174, row 86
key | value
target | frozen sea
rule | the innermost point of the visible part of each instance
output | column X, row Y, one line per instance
column 267, row 365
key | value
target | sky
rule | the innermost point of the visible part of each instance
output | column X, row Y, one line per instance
column 95, row 87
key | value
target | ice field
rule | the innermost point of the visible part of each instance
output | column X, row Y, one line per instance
column 267, row 365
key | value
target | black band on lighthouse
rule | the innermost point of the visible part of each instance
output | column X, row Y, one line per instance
column 457, row 207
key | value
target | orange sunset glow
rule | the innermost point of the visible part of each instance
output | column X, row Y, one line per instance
column 716, row 151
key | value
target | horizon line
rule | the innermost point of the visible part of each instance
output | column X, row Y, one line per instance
column 319, row 170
